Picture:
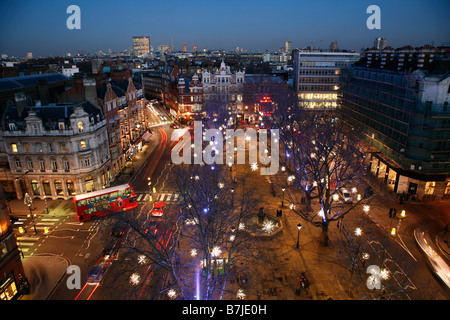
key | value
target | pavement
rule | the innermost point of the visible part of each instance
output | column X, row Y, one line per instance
column 280, row 262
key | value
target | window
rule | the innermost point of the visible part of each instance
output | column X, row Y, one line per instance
column 83, row 144
column 63, row 147
column 50, row 147
column 35, row 128
column 61, row 125
column 80, row 126
column 46, row 185
column 27, row 147
column 18, row 164
column 42, row 164
column 66, row 164
column 38, row 147
column 86, row 162
column 14, row 147
column 12, row 126
column 59, row 188
column 30, row 164
column 35, row 187
column 70, row 187
column 54, row 165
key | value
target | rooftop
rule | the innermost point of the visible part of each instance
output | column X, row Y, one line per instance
column 27, row 81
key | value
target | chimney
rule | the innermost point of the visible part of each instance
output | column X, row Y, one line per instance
column 21, row 102
column 90, row 91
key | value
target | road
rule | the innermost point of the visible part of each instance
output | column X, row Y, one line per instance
column 82, row 243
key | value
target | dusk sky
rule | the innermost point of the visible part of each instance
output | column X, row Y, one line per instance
column 255, row 25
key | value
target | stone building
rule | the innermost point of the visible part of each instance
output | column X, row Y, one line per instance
column 224, row 88
column 57, row 150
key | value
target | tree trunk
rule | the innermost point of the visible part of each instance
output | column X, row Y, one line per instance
column 325, row 233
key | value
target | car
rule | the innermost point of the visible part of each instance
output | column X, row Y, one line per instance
column 95, row 276
column 152, row 228
column 346, row 195
column 117, row 231
column 174, row 125
column 158, row 209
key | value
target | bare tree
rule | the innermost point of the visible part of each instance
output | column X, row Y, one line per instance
column 213, row 207
column 319, row 158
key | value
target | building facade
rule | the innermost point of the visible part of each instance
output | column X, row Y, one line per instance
column 57, row 150
column 224, row 88
column 405, row 116
column 124, row 105
column 316, row 77
column 141, row 45
column 12, row 273
column 190, row 96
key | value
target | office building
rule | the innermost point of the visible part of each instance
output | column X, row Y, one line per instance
column 400, row 107
column 141, row 45
column 316, row 77
column 380, row 43
column 288, row 46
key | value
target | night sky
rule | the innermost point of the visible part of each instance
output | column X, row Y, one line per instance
column 39, row 26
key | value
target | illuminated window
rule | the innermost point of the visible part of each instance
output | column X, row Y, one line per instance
column 429, row 187
column 80, row 126
column 83, row 144
column 14, row 147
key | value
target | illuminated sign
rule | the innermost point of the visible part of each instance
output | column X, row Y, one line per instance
column 265, row 99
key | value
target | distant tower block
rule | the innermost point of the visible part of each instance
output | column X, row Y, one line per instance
column 184, row 47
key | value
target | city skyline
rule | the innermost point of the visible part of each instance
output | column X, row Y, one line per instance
column 40, row 27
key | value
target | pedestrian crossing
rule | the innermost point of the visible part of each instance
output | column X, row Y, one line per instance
column 156, row 197
column 27, row 238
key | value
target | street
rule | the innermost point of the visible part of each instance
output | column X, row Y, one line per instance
column 82, row 244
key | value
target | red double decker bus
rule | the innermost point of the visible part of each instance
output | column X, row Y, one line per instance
column 105, row 201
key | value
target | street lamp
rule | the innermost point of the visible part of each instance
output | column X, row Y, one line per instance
column 299, row 226
column 282, row 200
column 46, row 206
column 29, row 201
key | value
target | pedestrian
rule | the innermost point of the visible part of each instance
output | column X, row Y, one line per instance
column 281, row 212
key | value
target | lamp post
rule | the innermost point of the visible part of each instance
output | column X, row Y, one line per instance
column 46, row 206
column 29, row 201
column 282, row 199
column 299, row 226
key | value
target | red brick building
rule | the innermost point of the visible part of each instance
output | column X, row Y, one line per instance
column 11, row 268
